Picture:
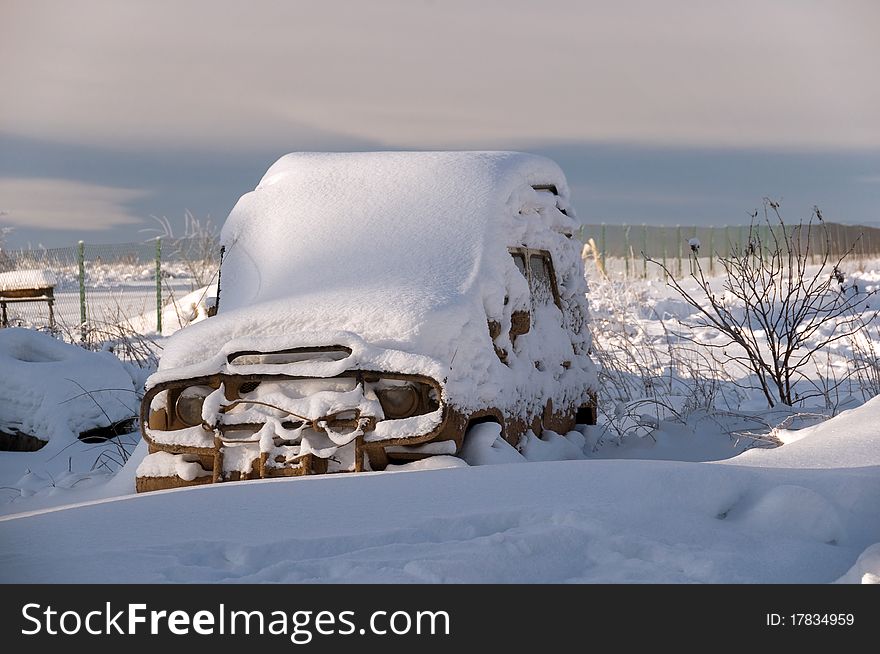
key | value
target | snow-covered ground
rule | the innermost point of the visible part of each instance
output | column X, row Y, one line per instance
column 683, row 497
column 664, row 395
column 804, row 512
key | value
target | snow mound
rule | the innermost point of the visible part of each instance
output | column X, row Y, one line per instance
column 866, row 569
column 178, row 313
column 431, row 463
column 846, row 441
column 51, row 389
column 483, row 445
column 554, row 447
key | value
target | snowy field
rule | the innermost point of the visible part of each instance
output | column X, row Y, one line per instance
column 717, row 489
column 806, row 512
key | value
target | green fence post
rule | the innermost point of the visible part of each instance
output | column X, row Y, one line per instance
column 81, row 264
column 159, row 286
column 644, row 251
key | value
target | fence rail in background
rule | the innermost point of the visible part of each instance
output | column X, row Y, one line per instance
column 96, row 286
column 620, row 247
column 79, row 291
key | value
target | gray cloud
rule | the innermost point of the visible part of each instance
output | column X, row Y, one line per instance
column 245, row 76
column 36, row 203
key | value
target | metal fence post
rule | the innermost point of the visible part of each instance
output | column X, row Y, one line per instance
column 765, row 242
column 644, row 251
column 81, row 274
column 680, row 242
column 159, row 286
column 712, row 250
column 663, row 239
column 626, row 251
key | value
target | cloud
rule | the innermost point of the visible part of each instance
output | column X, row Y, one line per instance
column 59, row 204
column 231, row 75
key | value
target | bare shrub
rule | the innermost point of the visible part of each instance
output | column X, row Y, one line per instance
column 116, row 334
column 778, row 317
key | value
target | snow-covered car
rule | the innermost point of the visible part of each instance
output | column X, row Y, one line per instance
column 372, row 308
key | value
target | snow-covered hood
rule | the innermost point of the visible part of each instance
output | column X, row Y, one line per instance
column 360, row 355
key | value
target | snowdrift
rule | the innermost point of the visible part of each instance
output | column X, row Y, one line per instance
column 803, row 513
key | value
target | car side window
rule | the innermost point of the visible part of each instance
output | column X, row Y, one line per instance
column 541, row 281
column 537, row 268
column 520, row 262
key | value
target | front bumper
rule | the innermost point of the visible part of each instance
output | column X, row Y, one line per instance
column 242, row 437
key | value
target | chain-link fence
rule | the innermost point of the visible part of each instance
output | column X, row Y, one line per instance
column 620, row 248
column 79, row 291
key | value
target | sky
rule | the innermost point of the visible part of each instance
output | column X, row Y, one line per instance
column 116, row 112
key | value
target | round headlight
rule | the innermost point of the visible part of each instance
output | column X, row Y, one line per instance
column 189, row 405
column 399, row 401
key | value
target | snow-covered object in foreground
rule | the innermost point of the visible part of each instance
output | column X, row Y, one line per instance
column 372, row 307
column 50, row 389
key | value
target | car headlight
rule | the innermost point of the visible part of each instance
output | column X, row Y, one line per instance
column 399, row 401
column 189, row 405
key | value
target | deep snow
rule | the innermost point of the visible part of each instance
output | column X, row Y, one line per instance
column 769, row 516
column 55, row 391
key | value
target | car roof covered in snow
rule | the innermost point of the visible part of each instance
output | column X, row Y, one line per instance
column 395, row 247
column 413, row 223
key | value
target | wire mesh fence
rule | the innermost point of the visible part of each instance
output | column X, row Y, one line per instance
column 80, row 290
column 84, row 291
column 624, row 249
